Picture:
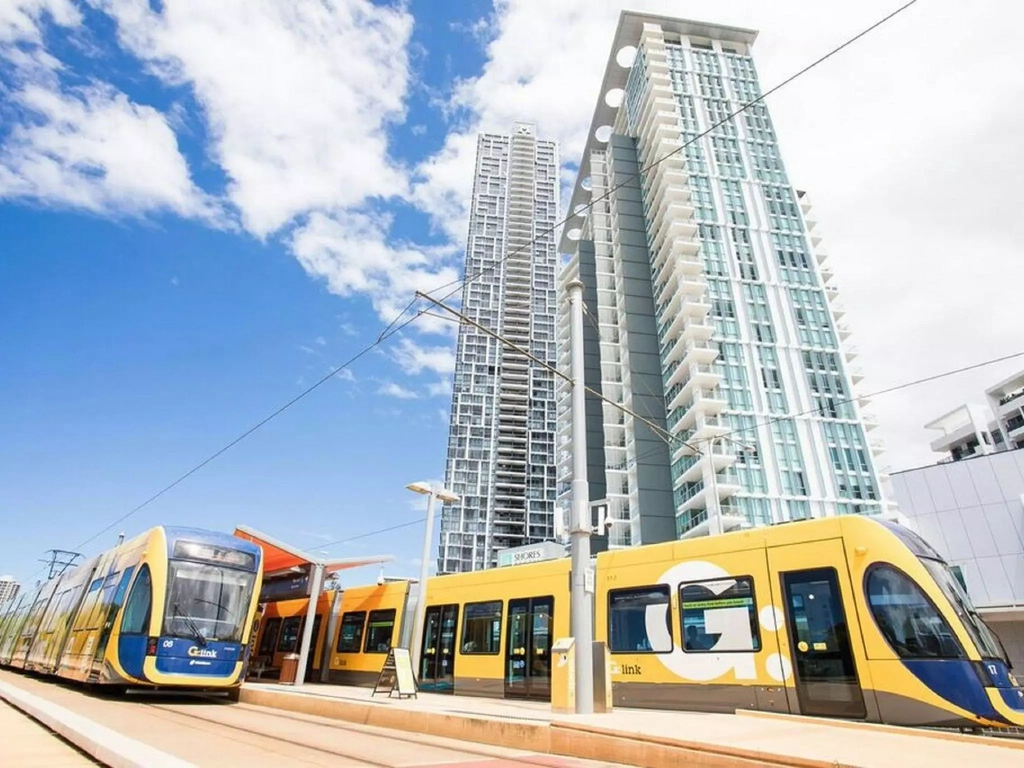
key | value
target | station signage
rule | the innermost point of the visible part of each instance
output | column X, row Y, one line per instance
column 531, row 553
column 285, row 588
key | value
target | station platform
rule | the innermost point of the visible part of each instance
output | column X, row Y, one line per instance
column 648, row 738
column 27, row 744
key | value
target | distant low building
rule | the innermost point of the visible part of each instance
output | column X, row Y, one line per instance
column 978, row 430
column 8, row 591
column 971, row 510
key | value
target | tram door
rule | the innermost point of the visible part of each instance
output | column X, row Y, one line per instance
column 437, row 654
column 818, row 629
column 528, row 648
column 111, row 613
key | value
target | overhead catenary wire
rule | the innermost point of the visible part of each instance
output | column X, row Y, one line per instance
column 395, row 326
column 855, row 398
column 630, row 178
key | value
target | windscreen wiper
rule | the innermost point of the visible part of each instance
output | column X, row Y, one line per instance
column 220, row 609
column 190, row 624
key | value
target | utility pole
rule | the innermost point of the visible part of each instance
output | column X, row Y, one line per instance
column 581, row 614
column 715, row 523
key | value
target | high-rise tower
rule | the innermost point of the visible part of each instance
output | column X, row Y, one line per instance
column 8, row 591
column 710, row 305
column 501, row 441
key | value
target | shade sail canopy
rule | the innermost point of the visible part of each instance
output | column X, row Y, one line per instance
column 279, row 557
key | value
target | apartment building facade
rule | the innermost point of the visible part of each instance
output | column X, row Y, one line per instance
column 711, row 309
column 500, row 458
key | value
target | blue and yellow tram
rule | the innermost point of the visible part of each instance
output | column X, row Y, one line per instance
column 171, row 608
column 839, row 617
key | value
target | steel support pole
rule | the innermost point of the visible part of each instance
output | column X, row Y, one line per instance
column 581, row 616
column 715, row 526
column 316, row 582
column 415, row 644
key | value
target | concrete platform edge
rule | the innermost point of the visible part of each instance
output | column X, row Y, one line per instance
column 964, row 738
column 560, row 737
column 101, row 743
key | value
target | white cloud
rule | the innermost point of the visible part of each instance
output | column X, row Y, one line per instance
column 915, row 197
column 414, row 358
column 391, row 389
column 345, row 374
column 441, row 388
column 21, row 37
column 297, row 95
column 85, row 149
column 349, row 250
column 321, row 340
column 907, row 149
column 20, row 20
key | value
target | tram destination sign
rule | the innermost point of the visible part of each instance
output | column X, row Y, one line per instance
column 531, row 553
column 287, row 587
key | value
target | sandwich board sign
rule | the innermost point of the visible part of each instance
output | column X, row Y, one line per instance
column 396, row 675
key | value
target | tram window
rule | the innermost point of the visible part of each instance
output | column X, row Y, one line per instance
column 379, row 630
column 907, row 619
column 719, row 616
column 270, row 630
column 350, row 638
column 95, row 585
column 290, row 634
column 639, row 620
column 481, row 628
column 60, row 606
column 136, row 611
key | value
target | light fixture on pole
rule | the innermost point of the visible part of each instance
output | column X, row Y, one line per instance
column 715, row 523
column 431, row 493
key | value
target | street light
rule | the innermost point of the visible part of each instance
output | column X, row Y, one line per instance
column 431, row 493
column 715, row 523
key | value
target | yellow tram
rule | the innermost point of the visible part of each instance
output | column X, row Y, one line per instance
column 842, row 617
column 171, row 608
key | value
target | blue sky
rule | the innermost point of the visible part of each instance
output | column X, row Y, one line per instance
column 205, row 206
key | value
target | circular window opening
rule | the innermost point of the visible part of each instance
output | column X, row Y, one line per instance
column 614, row 98
column 626, row 56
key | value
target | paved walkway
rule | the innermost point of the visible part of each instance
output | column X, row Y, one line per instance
column 207, row 732
column 24, row 743
column 777, row 740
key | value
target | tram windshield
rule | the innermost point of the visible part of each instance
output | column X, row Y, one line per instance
column 207, row 602
column 984, row 638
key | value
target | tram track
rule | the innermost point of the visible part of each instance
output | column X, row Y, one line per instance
column 205, row 718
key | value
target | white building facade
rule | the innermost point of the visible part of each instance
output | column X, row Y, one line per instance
column 8, row 591
column 711, row 308
column 977, row 430
column 501, row 438
column 972, row 512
